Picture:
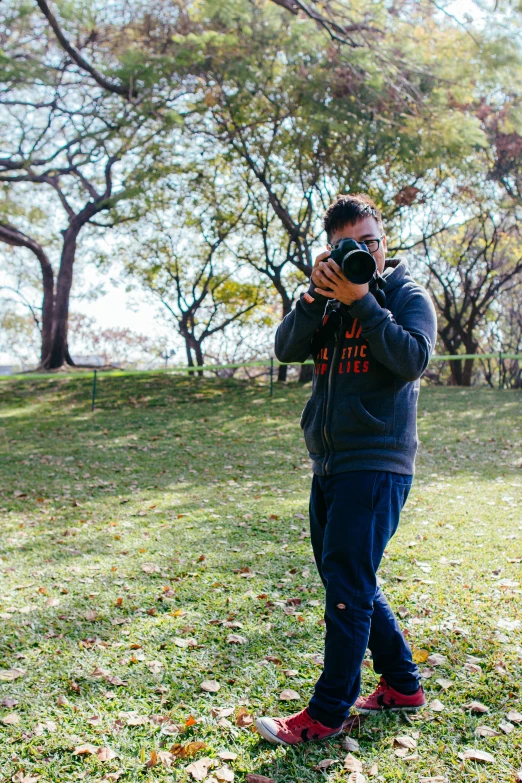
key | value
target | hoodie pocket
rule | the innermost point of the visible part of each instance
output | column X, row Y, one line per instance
column 311, row 424
column 354, row 427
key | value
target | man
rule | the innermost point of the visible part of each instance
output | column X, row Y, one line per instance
column 360, row 429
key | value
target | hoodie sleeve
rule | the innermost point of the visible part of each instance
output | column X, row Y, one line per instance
column 294, row 335
column 403, row 343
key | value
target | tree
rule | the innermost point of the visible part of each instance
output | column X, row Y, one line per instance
column 469, row 268
column 185, row 255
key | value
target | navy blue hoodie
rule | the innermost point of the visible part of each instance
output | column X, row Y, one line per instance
column 362, row 414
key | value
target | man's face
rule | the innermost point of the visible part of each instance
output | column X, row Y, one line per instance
column 364, row 229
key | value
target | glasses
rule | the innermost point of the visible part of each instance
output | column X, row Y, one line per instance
column 372, row 244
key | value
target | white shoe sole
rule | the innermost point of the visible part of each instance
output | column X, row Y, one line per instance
column 363, row 711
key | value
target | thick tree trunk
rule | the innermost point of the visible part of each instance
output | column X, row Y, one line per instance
column 59, row 353
column 285, row 309
column 199, row 357
column 16, row 238
column 306, row 373
column 47, row 312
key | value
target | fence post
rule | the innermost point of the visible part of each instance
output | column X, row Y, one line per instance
column 500, row 369
column 271, row 376
column 93, row 391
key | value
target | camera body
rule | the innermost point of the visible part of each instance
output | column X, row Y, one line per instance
column 356, row 261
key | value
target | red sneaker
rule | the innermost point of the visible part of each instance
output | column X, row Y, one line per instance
column 387, row 698
column 294, row 729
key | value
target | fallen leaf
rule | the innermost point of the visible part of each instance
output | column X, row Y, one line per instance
column 514, row 717
column 243, row 718
column 199, row 769
column 436, row 779
column 105, row 754
column 356, row 777
column 11, row 718
column 436, row 705
column 150, row 568
column 477, row 755
column 405, row 742
column 486, row 731
column 62, row 701
column 420, row 656
column 8, row 675
column 349, row 743
column 474, row 668
column 91, row 615
column 324, row 764
column 85, row 750
column 184, row 642
column 476, row 706
column 444, row 683
column 224, row 773
column 227, row 755
column 253, row 778
column 352, row 764
column 436, row 659
column 9, row 702
column 190, row 749
column 235, row 638
column 373, row 771
column 506, row 727
column 289, row 695
column 211, row 686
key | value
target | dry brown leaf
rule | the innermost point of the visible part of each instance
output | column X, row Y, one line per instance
column 211, row 686
column 486, row 731
column 184, row 642
column 11, row 718
column 243, row 718
column 165, row 757
column 224, row 773
column 235, row 638
column 436, row 779
column 405, row 742
column 150, row 568
column 518, row 776
column 436, row 659
column 324, row 764
column 477, row 755
column 199, row 769
column 436, row 705
column 373, row 771
column 444, row 683
column 190, row 749
column 506, row 727
column 476, row 706
column 8, row 675
column 21, row 777
column 356, row 777
column 352, row 764
column 514, row 717
column 351, row 744
column 227, row 755
column 91, row 615
column 105, row 754
column 85, row 750
column 137, row 720
column 9, row 702
column 251, row 777
column 62, row 701
column 289, row 695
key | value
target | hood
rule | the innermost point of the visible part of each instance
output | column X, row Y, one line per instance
column 396, row 273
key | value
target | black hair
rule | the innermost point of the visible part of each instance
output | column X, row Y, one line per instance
column 349, row 209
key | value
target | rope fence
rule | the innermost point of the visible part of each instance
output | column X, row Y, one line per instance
column 272, row 364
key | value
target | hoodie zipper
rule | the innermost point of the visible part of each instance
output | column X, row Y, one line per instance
column 329, row 392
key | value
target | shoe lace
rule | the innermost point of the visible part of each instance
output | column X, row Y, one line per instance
column 299, row 721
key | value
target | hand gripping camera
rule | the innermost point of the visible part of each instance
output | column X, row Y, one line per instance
column 359, row 266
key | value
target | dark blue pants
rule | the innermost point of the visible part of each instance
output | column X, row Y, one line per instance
column 353, row 515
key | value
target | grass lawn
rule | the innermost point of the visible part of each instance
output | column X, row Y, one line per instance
column 162, row 542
